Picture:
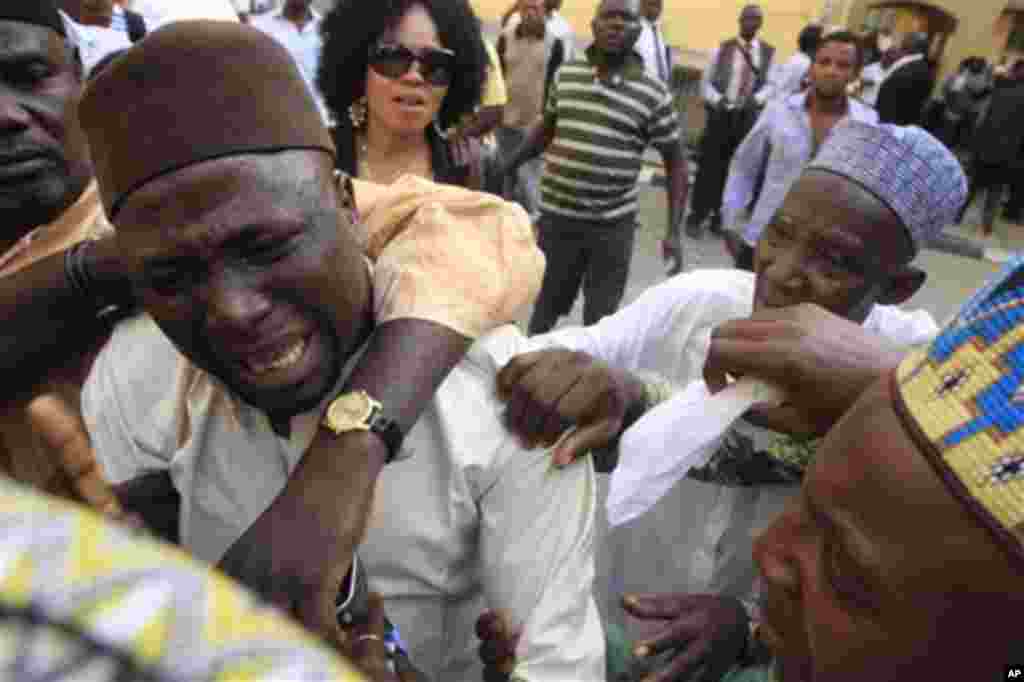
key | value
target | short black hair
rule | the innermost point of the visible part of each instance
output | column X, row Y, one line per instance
column 847, row 38
column 354, row 25
column 917, row 42
column 809, row 38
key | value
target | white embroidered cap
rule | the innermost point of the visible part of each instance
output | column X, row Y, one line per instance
column 910, row 171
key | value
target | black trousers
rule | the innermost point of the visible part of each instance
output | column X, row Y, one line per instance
column 1015, row 204
column 993, row 179
column 579, row 253
column 723, row 133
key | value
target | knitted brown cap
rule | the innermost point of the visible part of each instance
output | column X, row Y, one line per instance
column 195, row 91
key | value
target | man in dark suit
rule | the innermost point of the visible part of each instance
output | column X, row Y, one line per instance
column 734, row 94
column 997, row 146
column 909, row 84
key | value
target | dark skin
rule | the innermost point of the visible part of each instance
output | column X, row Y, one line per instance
column 44, row 311
column 652, row 9
column 835, row 66
column 44, row 162
column 616, row 28
column 298, row 12
column 832, row 244
column 751, row 20
column 45, row 169
column 230, row 307
column 856, row 591
column 822, row 361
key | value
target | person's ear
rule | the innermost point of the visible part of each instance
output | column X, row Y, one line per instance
column 902, row 285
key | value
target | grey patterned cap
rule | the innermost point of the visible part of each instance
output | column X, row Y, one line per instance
column 910, row 171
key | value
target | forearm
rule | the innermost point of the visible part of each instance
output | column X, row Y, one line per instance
column 47, row 322
column 678, row 188
column 537, row 140
column 404, row 364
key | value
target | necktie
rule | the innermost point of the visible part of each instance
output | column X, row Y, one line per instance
column 746, row 74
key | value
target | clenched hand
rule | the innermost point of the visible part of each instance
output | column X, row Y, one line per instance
column 550, row 391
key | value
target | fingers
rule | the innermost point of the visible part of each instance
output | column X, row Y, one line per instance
column 652, row 606
column 63, row 431
column 367, row 645
column 597, row 404
column 582, row 440
column 488, row 625
column 533, row 411
column 498, row 645
column 509, row 375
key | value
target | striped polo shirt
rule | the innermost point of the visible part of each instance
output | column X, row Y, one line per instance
column 593, row 163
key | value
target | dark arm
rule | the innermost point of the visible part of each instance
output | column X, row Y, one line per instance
column 46, row 323
column 678, row 174
column 538, row 138
column 317, row 522
column 554, row 64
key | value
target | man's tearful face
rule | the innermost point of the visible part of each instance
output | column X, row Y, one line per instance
column 249, row 265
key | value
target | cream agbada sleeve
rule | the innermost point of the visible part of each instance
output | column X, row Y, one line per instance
column 466, row 260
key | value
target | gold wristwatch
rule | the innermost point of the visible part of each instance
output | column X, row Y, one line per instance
column 357, row 411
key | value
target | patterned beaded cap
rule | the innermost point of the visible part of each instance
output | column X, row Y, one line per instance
column 909, row 171
column 963, row 398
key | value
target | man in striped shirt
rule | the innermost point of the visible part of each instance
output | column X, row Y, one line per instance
column 602, row 113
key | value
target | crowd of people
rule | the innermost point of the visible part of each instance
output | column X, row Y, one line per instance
column 269, row 413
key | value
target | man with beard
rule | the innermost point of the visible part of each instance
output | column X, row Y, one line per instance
column 602, row 113
column 787, row 136
column 904, row 547
column 245, row 254
column 48, row 202
column 844, row 239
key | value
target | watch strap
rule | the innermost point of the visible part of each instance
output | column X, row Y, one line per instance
column 390, row 432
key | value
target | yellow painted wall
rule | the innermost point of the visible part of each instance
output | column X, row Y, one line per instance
column 695, row 24
column 981, row 28
column 700, row 25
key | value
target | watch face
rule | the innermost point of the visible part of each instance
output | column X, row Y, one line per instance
column 351, row 409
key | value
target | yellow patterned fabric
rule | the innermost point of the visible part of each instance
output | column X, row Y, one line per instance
column 83, row 599
column 964, row 397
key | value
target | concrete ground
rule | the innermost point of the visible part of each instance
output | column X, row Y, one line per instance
column 951, row 278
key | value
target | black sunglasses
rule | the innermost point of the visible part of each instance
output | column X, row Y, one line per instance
column 393, row 61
